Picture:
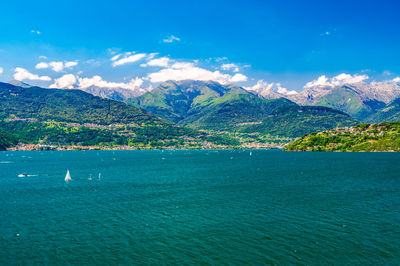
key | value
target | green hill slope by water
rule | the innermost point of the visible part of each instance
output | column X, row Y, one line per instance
column 364, row 137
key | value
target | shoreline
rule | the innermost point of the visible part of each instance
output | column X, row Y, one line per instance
column 33, row 147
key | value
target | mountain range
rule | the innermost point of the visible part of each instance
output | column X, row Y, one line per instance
column 186, row 113
column 360, row 100
column 363, row 101
column 212, row 106
column 192, row 114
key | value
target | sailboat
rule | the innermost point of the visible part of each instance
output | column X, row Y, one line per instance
column 99, row 176
column 67, row 177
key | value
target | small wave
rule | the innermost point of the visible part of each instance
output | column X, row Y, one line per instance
column 6, row 162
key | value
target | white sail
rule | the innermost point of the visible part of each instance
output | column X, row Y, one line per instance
column 68, row 176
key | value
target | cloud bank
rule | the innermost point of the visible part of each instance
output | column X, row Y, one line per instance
column 70, row 81
column 338, row 80
column 264, row 88
column 129, row 57
column 23, row 74
column 56, row 66
column 184, row 70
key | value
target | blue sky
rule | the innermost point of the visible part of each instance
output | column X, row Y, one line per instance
column 290, row 42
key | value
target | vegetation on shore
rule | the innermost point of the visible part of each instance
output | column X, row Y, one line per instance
column 384, row 136
column 7, row 140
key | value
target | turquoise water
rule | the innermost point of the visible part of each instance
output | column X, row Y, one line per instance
column 200, row 207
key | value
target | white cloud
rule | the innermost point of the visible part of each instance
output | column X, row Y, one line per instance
column 158, row 62
column 285, row 91
column 69, row 81
column 238, row 78
column 1, row 70
column 151, row 56
column 184, row 70
column 338, row 80
column 322, row 81
column 127, row 58
column 56, row 66
column 397, row 80
column 133, row 84
column 262, row 87
column 230, row 66
column 42, row 57
column 115, row 57
column 182, row 65
column 36, row 32
column 70, row 64
column 42, row 65
column 22, row 74
column 65, row 82
column 172, row 39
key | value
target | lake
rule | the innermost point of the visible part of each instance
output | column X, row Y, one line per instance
column 199, row 207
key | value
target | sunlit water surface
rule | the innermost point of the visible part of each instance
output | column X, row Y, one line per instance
column 199, row 207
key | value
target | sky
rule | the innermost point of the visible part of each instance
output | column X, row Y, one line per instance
column 138, row 44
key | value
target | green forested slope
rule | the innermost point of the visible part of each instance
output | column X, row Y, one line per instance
column 67, row 105
column 390, row 113
column 6, row 140
column 364, row 137
column 74, row 117
column 295, row 121
column 212, row 106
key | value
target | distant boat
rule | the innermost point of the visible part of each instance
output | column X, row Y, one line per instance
column 251, row 153
column 67, row 177
column 23, row 175
column 90, row 177
column 99, row 176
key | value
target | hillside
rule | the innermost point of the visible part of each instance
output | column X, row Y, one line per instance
column 295, row 121
column 351, row 102
column 360, row 100
column 73, row 117
column 364, row 137
column 349, row 99
column 208, row 114
column 6, row 140
column 118, row 94
column 230, row 111
column 177, row 100
column 390, row 113
column 68, row 106
column 212, row 106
